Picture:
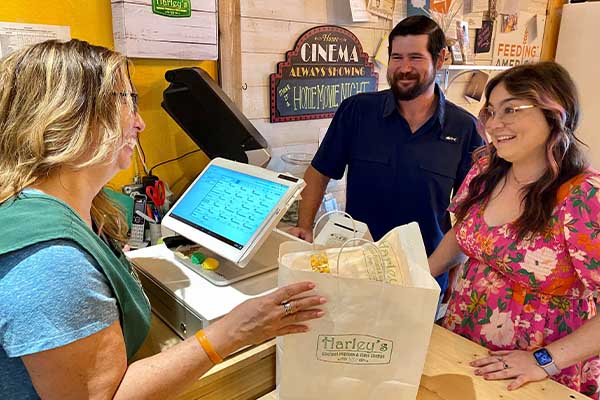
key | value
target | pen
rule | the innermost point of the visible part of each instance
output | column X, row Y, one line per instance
column 148, row 210
column 156, row 214
column 147, row 218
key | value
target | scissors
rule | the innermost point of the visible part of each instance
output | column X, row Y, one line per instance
column 157, row 193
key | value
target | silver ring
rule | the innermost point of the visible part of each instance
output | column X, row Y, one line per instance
column 287, row 307
column 504, row 364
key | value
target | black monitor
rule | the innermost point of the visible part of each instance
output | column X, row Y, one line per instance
column 209, row 117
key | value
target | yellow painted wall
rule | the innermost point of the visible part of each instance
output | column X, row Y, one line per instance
column 91, row 20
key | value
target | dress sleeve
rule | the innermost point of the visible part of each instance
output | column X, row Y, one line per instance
column 51, row 294
column 463, row 191
column 580, row 217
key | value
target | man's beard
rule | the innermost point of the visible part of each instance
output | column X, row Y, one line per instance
column 413, row 91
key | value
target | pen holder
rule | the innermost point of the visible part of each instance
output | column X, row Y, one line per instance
column 149, row 180
column 155, row 233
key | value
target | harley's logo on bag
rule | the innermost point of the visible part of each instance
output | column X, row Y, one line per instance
column 354, row 349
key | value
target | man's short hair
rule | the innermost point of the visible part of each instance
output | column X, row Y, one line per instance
column 420, row 25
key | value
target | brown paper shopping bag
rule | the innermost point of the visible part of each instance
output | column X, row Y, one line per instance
column 373, row 340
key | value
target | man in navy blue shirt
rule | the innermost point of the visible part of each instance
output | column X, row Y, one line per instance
column 406, row 148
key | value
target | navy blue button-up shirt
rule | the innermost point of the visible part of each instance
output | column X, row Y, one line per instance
column 396, row 176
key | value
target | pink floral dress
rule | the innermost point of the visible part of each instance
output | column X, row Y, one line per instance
column 525, row 294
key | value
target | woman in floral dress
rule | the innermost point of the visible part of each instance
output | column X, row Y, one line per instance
column 528, row 225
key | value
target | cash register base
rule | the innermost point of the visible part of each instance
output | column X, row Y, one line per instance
column 183, row 303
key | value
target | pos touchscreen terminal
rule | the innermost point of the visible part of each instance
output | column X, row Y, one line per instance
column 231, row 209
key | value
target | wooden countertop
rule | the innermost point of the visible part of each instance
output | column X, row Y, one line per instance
column 448, row 376
column 250, row 374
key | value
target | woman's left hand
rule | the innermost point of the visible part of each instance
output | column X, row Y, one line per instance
column 507, row 364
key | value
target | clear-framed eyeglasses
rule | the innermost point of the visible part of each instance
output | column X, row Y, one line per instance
column 134, row 99
column 506, row 114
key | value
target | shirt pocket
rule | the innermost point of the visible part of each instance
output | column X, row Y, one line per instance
column 438, row 169
column 440, row 160
column 371, row 166
column 381, row 158
column 438, row 177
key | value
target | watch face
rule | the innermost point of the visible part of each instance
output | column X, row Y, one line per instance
column 542, row 356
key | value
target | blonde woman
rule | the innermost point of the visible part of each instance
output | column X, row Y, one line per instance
column 71, row 313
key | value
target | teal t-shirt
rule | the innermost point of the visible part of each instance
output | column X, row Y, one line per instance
column 51, row 294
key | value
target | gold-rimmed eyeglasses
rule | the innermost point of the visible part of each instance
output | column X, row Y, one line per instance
column 506, row 114
column 134, row 99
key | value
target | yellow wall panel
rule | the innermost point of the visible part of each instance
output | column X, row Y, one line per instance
column 91, row 20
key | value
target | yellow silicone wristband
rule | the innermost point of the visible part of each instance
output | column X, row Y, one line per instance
column 208, row 348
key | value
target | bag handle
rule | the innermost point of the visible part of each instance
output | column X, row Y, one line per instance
column 364, row 241
column 328, row 213
column 347, row 242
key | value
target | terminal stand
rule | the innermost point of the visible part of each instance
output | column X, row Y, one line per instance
column 228, row 272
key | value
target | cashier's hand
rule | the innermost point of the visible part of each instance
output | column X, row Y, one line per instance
column 302, row 233
column 507, row 364
column 279, row 313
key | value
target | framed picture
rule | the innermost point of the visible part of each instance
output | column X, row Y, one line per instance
column 457, row 57
column 462, row 32
column 476, row 85
column 383, row 8
column 483, row 37
column 509, row 23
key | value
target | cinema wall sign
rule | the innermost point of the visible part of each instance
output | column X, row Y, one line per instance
column 326, row 66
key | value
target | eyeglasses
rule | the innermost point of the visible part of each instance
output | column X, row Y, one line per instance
column 134, row 99
column 507, row 114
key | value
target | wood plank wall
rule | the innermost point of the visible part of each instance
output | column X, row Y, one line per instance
column 140, row 33
column 267, row 32
column 269, row 28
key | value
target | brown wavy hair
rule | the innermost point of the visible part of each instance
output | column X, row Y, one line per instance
column 550, row 87
column 58, row 109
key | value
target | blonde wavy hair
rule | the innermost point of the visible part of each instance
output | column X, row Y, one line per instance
column 59, row 108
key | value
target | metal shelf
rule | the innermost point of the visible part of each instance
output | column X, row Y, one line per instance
column 475, row 67
column 458, row 70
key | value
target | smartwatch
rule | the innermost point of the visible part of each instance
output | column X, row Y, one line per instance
column 544, row 360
